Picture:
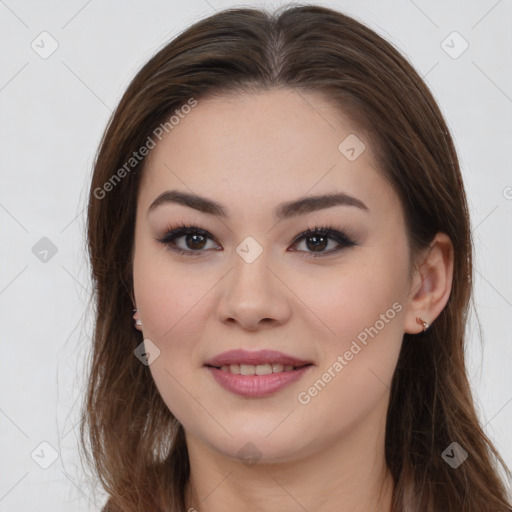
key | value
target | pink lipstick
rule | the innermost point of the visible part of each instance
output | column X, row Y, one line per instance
column 256, row 374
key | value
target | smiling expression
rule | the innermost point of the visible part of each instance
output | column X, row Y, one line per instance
column 243, row 179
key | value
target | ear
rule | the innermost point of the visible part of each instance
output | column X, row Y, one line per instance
column 431, row 284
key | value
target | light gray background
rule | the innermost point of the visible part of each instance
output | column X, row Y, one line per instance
column 54, row 111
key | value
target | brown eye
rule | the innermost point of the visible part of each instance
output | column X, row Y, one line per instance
column 194, row 241
column 189, row 240
column 318, row 239
column 317, row 242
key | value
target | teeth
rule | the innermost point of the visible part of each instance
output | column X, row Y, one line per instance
column 260, row 369
column 247, row 369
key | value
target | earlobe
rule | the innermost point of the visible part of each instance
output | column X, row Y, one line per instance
column 422, row 322
column 137, row 323
column 431, row 287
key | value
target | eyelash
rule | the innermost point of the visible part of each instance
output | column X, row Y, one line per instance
column 172, row 233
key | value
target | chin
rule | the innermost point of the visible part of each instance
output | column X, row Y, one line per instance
column 250, row 446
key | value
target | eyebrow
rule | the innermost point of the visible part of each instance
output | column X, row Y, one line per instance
column 283, row 210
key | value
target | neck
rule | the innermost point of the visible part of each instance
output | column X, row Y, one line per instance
column 347, row 476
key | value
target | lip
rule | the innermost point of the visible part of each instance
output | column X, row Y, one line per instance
column 254, row 358
column 257, row 386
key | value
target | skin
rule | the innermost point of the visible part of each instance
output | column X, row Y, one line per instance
column 251, row 152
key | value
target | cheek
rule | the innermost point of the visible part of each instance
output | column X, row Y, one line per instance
column 173, row 309
column 357, row 363
column 169, row 296
column 363, row 307
column 358, row 297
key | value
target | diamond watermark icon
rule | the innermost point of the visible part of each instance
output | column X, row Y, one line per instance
column 454, row 455
column 44, row 45
column 249, row 454
column 147, row 352
column 44, row 250
column 44, row 455
column 351, row 147
column 454, row 45
column 249, row 250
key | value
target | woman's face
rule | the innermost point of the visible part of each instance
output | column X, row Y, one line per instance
column 337, row 301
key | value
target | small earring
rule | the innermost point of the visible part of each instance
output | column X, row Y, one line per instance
column 136, row 320
column 420, row 321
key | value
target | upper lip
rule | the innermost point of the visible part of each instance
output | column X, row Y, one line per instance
column 255, row 358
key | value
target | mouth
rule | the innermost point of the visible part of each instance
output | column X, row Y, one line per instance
column 256, row 374
column 260, row 369
column 260, row 362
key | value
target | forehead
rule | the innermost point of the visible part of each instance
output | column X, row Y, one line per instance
column 264, row 147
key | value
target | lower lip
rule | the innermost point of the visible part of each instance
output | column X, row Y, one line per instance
column 256, row 386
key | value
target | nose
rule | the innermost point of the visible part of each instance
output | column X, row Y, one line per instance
column 253, row 296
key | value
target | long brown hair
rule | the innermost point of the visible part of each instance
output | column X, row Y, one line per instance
column 134, row 443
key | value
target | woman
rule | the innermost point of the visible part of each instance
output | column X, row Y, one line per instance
column 277, row 202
